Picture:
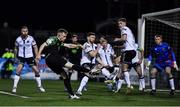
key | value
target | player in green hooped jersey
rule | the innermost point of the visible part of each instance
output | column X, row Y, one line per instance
column 55, row 58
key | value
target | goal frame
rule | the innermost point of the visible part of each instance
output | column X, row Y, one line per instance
column 142, row 22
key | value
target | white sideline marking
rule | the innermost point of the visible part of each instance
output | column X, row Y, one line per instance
column 160, row 90
column 7, row 93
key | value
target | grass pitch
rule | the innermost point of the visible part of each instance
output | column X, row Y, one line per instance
column 97, row 95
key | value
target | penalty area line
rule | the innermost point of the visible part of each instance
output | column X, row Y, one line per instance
column 11, row 94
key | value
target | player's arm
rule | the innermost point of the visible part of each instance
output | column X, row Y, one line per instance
column 93, row 53
column 15, row 50
column 122, row 39
column 38, row 56
column 142, row 55
column 149, row 60
column 113, row 55
column 173, row 58
column 123, row 36
column 34, row 45
column 68, row 45
column 35, row 49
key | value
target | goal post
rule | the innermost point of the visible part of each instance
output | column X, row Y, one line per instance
column 166, row 23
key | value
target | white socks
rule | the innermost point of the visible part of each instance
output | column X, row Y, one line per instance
column 119, row 84
column 38, row 80
column 83, row 83
column 126, row 77
column 106, row 73
column 16, row 80
column 141, row 83
column 153, row 84
column 171, row 82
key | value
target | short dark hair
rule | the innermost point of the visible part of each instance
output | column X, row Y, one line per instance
column 24, row 27
column 122, row 19
column 62, row 30
column 91, row 33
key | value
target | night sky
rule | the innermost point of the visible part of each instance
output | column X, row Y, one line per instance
column 76, row 15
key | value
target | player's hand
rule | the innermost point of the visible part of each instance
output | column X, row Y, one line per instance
column 38, row 57
column 147, row 65
column 116, row 39
column 80, row 46
column 36, row 61
column 114, row 55
column 98, row 46
column 147, row 68
column 140, row 61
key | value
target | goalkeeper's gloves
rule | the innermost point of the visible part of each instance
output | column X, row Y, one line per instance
column 175, row 66
column 148, row 64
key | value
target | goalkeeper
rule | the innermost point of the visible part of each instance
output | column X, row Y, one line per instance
column 164, row 61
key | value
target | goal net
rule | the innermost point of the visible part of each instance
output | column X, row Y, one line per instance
column 166, row 23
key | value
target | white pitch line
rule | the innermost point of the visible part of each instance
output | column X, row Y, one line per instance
column 7, row 93
column 161, row 90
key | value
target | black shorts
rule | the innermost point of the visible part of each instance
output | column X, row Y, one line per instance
column 127, row 56
column 88, row 65
column 30, row 61
column 56, row 63
column 134, row 65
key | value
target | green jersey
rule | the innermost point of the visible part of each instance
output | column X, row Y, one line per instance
column 55, row 46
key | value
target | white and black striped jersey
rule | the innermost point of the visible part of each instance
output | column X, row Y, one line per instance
column 106, row 55
column 86, row 58
column 130, row 41
column 25, row 46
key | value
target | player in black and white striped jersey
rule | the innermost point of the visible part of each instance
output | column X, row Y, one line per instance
column 88, row 60
column 129, row 51
column 24, row 46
